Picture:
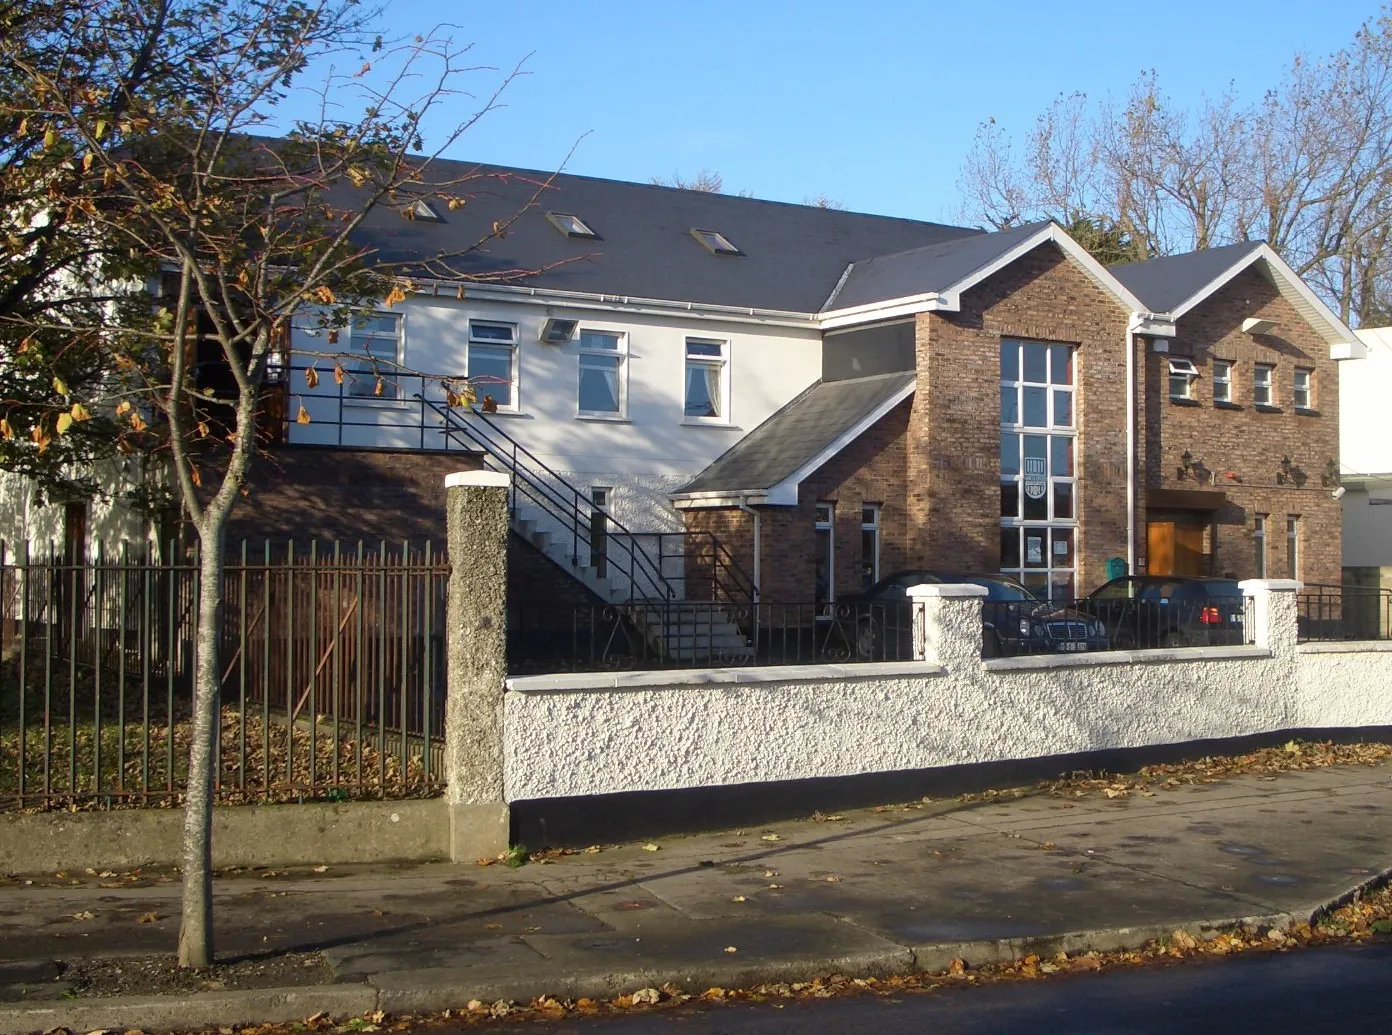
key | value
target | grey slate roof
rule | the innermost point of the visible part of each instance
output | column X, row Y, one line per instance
column 934, row 267
column 793, row 254
column 798, row 432
column 1165, row 283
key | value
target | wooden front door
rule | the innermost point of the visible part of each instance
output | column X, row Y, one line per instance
column 1175, row 547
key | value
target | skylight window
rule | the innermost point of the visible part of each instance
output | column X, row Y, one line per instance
column 571, row 226
column 421, row 209
column 715, row 241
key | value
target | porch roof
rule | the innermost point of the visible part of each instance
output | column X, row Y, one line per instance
column 770, row 461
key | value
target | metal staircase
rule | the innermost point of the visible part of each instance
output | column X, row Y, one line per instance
column 682, row 591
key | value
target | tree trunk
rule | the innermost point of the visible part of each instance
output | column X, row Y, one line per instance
column 196, row 926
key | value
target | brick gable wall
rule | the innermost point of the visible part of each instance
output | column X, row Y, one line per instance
column 1246, row 442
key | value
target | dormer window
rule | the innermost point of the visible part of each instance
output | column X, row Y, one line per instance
column 1183, row 374
column 420, row 209
column 715, row 242
column 571, row 226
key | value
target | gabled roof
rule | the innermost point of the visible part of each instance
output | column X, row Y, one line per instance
column 791, row 255
column 1166, row 283
column 935, row 276
column 1175, row 284
column 768, row 464
column 933, row 268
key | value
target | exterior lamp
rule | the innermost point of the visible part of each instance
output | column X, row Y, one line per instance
column 1186, row 460
column 1283, row 475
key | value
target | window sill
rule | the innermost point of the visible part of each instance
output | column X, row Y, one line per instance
column 1223, row 404
column 1264, row 408
column 1307, row 411
column 602, row 418
column 690, row 422
column 510, row 414
column 1176, row 401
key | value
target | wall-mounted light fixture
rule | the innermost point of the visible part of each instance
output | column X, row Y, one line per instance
column 1283, row 475
column 1331, row 474
column 1186, row 461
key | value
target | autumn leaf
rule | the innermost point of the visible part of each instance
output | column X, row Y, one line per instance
column 148, row 918
column 323, row 293
column 338, row 374
column 311, row 377
column 99, row 130
column 455, row 203
column 60, row 386
column 489, row 404
column 195, row 477
column 202, row 429
column 79, row 413
column 333, row 338
column 6, row 431
column 396, row 295
column 137, row 423
column 65, row 421
column 303, row 416
column 123, row 408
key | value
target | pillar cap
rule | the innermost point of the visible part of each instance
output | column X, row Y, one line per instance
column 946, row 590
column 478, row 479
column 1271, row 585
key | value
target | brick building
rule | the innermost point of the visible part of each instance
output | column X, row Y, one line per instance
column 989, row 431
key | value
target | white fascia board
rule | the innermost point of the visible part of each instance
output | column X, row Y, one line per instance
column 699, row 500
column 785, row 493
column 1152, row 325
column 616, row 303
column 907, row 306
column 1343, row 343
column 1055, row 233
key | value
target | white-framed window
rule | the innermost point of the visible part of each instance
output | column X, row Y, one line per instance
column 1293, row 546
column 715, row 241
column 707, row 380
column 869, row 544
column 1263, row 390
column 825, row 590
column 493, row 361
column 374, row 340
column 1039, row 504
column 1183, row 374
column 1302, row 395
column 1222, row 381
column 1259, row 539
column 602, row 390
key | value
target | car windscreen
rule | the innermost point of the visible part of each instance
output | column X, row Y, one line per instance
column 1001, row 590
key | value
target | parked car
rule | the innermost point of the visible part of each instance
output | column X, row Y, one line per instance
column 1168, row 611
column 1014, row 620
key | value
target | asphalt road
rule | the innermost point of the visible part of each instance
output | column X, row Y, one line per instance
column 1344, row 990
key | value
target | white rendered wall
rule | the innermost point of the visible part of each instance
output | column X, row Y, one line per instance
column 1367, row 532
column 642, row 458
column 1365, row 390
column 27, row 516
column 563, row 738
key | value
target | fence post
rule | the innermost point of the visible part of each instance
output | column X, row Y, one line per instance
column 476, row 508
column 947, row 624
column 1274, row 613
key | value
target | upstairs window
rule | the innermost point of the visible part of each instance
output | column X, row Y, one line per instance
column 706, row 380
column 1303, row 395
column 716, row 242
column 1222, row 381
column 375, row 341
column 1183, row 374
column 493, row 361
column 1263, row 394
column 602, row 391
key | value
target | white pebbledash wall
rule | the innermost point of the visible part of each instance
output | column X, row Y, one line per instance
column 635, row 731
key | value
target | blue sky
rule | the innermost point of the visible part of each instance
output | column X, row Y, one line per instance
column 872, row 103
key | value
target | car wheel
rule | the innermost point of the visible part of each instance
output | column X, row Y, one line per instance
column 1124, row 639
column 991, row 644
column 868, row 644
column 1177, row 638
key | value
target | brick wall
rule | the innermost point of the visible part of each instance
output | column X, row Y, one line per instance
column 1242, row 447
column 954, row 437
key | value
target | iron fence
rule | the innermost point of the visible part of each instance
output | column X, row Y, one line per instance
column 332, row 675
column 703, row 634
column 1331, row 613
column 1015, row 628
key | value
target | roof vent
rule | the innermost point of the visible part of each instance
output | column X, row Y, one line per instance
column 557, row 332
column 1256, row 326
column 571, row 226
column 715, row 242
column 420, row 209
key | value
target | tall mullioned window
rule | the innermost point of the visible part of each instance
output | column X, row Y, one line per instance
column 1039, row 498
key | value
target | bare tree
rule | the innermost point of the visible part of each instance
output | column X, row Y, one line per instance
column 245, row 234
column 1308, row 169
column 707, row 180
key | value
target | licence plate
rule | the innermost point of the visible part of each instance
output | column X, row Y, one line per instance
column 1234, row 618
column 1073, row 645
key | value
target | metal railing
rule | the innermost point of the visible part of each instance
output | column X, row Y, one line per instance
column 332, row 684
column 1015, row 628
column 697, row 634
column 642, row 575
column 1332, row 613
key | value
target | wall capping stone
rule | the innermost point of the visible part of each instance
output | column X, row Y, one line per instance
column 648, row 679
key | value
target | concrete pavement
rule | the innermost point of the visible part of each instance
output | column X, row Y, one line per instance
column 870, row 892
